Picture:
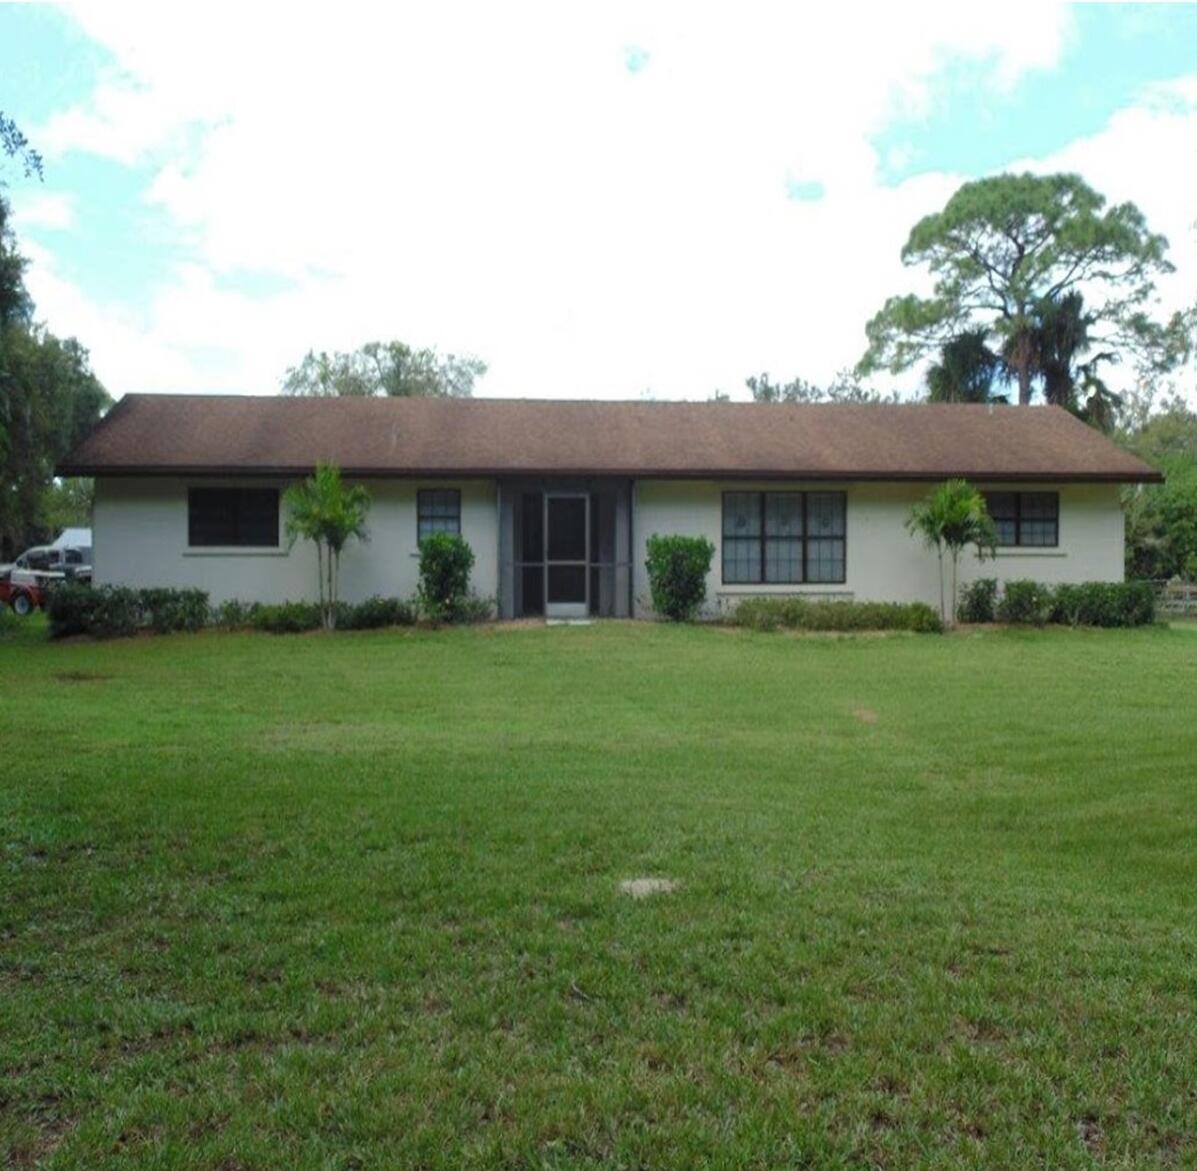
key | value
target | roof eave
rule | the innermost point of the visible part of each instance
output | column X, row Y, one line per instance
column 1146, row 476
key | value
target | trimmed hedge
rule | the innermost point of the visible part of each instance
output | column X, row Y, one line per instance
column 1088, row 603
column 1104, row 603
column 1025, row 603
column 286, row 617
column 677, row 575
column 978, row 601
column 375, row 613
column 165, row 611
column 796, row 613
column 233, row 615
column 116, row 611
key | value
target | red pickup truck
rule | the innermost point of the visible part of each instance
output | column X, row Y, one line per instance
column 25, row 589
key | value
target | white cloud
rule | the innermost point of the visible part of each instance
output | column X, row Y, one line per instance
column 495, row 179
column 36, row 209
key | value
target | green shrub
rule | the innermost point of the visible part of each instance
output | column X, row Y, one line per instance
column 1024, row 602
column 677, row 575
column 116, row 612
column 1104, row 603
column 978, row 601
column 70, row 607
column 475, row 609
column 375, row 613
column 233, row 615
column 287, row 617
column 101, row 611
column 445, row 564
column 796, row 613
column 769, row 613
column 167, row 610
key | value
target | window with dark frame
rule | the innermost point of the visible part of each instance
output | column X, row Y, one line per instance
column 438, row 511
column 1027, row 519
column 784, row 538
column 233, row 517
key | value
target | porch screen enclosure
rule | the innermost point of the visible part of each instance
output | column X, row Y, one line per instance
column 565, row 548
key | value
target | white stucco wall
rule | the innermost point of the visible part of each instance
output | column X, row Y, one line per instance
column 140, row 539
column 884, row 562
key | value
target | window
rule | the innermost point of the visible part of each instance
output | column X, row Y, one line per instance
column 784, row 538
column 232, row 517
column 40, row 559
column 1025, row 518
column 439, row 511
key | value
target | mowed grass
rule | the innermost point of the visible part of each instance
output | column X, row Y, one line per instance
column 353, row 901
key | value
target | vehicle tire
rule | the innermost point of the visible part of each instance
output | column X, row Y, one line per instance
column 22, row 605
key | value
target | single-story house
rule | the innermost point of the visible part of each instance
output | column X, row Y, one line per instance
column 557, row 499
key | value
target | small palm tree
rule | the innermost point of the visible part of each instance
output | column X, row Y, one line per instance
column 323, row 510
column 953, row 516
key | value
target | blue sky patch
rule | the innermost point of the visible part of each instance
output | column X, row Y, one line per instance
column 1111, row 56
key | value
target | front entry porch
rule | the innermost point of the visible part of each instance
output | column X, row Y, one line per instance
column 565, row 548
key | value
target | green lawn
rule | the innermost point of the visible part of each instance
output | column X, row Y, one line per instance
column 353, row 901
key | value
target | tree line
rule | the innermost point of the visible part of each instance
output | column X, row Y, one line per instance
column 49, row 397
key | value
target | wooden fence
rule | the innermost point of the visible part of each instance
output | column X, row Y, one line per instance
column 1175, row 598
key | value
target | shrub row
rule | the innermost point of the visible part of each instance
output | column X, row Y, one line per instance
column 807, row 614
column 297, row 617
column 1031, row 603
column 115, row 611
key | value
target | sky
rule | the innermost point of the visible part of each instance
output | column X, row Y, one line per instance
column 607, row 200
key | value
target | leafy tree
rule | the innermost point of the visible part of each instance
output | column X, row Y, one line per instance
column 1003, row 247
column 391, row 368
column 1161, row 519
column 844, row 388
column 324, row 510
column 950, row 518
column 66, row 503
column 49, row 397
column 966, row 371
column 16, row 146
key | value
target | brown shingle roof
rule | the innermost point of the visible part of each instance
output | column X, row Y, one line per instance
column 204, row 434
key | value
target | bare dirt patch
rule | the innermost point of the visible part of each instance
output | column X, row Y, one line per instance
column 866, row 715
column 1090, row 1133
column 643, row 888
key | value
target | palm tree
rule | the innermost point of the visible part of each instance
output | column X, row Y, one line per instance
column 1059, row 337
column 951, row 517
column 323, row 510
column 966, row 371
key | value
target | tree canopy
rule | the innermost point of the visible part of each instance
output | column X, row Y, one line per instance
column 966, row 371
column 844, row 388
column 49, row 397
column 391, row 368
column 15, row 145
column 1004, row 251
column 1161, row 519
